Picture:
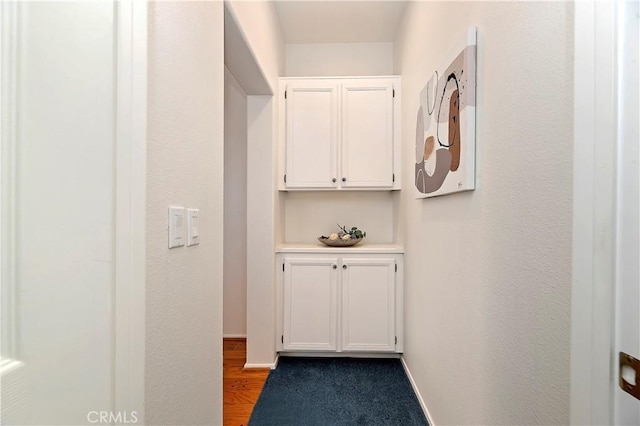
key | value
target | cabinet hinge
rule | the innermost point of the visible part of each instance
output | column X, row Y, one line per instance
column 396, row 267
column 282, row 338
column 283, row 267
column 393, row 93
column 285, row 178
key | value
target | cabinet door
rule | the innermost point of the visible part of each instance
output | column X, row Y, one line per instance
column 367, row 134
column 310, row 304
column 368, row 304
column 311, row 134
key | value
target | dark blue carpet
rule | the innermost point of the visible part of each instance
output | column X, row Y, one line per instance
column 337, row 391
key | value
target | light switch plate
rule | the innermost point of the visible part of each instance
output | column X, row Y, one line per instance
column 193, row 237
column 176, row 226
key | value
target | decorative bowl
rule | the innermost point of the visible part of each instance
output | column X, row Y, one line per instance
column 340, row 242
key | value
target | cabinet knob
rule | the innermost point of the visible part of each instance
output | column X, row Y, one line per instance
column 344, row 179
column 344, row 266
column 333, row 180
column 334, row 266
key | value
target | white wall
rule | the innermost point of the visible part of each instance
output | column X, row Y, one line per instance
column 235, row 207
column 185, row 163
column 311, row 214
column 332, row 59
column 64, row 235
column 258, row 21
column 261, row 213
column 488, row 273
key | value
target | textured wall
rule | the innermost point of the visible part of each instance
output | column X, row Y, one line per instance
column 315, row 59
column 235, row 207
column 488, row 273
column 185, row 167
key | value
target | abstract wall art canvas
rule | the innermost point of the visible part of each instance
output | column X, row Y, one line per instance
column 445, row 128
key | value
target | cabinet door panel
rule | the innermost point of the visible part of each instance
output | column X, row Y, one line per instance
column 367, row 134
column 311, row 134
column 368, row 305
column 310, row 304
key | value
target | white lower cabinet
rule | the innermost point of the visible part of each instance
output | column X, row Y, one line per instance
column 311, row 304
column 368, row 304
column 340, row 303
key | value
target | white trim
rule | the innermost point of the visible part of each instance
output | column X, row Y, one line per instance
column 129, row 315
column 344, row 77
column 417, row 392
column 364, row 247
column 593, row 213
column 331, row 354
column 626, row 410
column 270, row 365
column 12, row 372
column 234, row 336
column 8, row 87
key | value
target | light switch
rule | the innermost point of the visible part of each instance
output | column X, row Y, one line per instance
column 192, row 227
column 176, row 227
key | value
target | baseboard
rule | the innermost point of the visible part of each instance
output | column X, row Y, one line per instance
column 417, row 392
column 234, row 336
column 248, row 366
column 339, row 355
column 271, row 365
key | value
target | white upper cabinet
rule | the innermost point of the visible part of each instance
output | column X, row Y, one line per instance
column 311, row 134
column 367, row 134
column 340, row 133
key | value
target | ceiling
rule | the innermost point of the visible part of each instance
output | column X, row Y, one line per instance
column 339, row 21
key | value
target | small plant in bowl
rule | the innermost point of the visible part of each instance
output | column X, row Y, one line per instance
column 344, row 237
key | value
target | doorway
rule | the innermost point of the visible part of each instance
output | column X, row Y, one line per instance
column 247, row 148
column 605, row 289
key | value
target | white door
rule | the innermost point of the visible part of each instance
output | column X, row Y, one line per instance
column 311, row 134
column 310, row 304
column 627, row 407
column 367, row 134
column 63, row 219
column 368, row 304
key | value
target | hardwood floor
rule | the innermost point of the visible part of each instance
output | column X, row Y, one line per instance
column 241, row 388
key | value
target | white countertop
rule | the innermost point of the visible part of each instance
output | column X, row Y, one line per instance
column 318, row 247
